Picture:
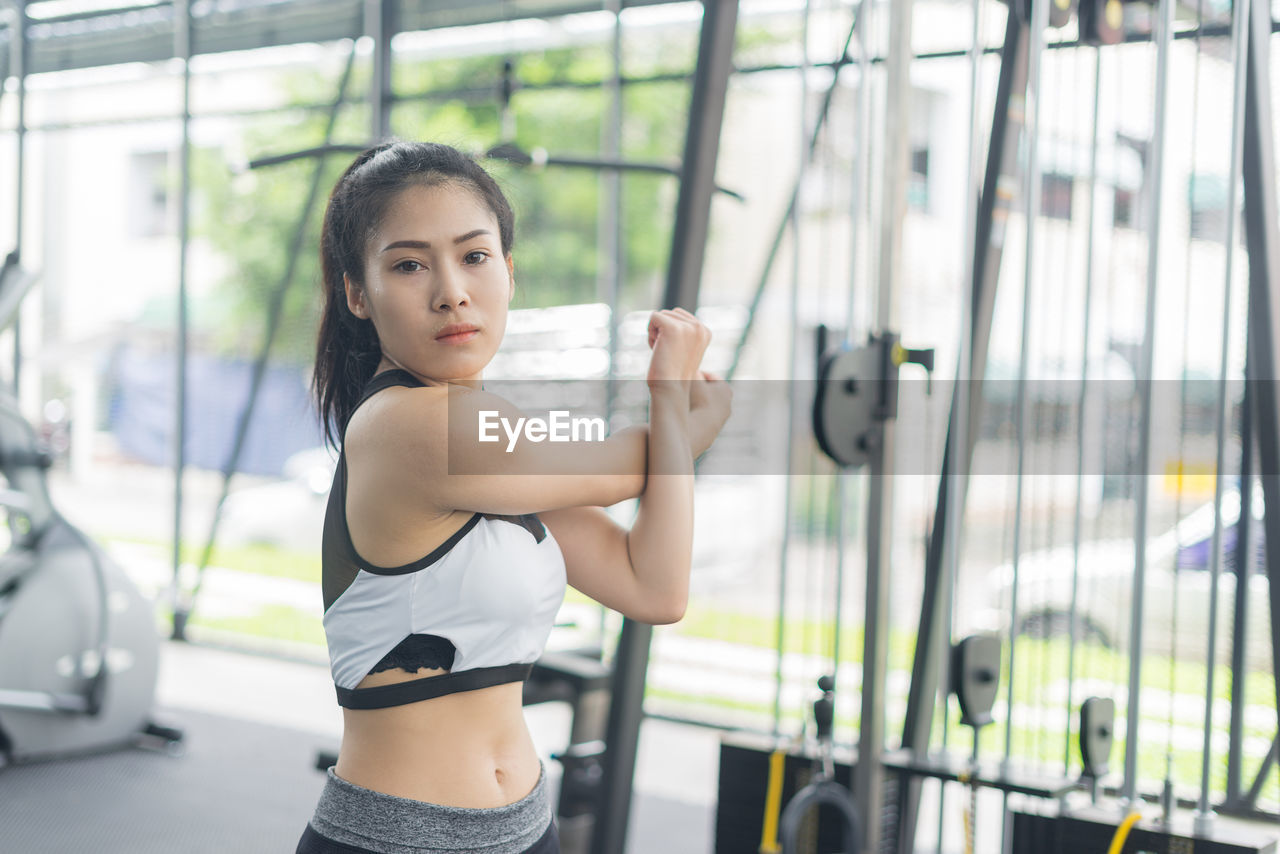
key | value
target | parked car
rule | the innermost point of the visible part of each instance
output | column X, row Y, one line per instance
column 1176, row 560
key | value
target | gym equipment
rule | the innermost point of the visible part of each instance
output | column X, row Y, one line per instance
column 580, row 678
column 750, row 766
column 823, row 790
column 78, row 645
column 1098, row 830
column 975, row 676
column 857, row 388
column 1097, row 734
column 975, row 680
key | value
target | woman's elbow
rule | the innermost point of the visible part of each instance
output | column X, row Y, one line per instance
column 671, row 610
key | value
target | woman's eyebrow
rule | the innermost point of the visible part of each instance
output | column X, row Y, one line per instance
column 423, row 244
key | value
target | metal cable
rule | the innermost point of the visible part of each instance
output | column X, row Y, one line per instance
column 1240, row 18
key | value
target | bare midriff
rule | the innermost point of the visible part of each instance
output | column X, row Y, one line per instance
column 469, row 749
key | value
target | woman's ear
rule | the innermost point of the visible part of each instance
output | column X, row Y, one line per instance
column 511, row 278
column 355, row 297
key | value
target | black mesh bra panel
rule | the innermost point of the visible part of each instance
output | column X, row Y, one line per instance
column 529, row 521
column 417, row 651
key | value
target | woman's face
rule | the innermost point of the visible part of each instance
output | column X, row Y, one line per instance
column 436, row 284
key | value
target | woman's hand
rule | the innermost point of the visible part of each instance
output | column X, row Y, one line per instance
column 710, row 401
column 678, row 340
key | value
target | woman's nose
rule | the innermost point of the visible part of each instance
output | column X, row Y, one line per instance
column 449, row 291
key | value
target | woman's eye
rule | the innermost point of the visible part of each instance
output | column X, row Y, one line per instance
column 409, row 266
column 476, row 257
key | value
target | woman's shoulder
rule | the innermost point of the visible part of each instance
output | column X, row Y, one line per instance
column 421, row 419
column 393, row 416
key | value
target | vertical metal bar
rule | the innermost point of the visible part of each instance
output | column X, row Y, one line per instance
column 702, row 144
column 275, row 312
column 684, row 273
column 1081, row 403
column 840, row 498
column 20, row 65
column 957, row 439
column 868, row 776
column 182, row 50
column 1239, row 22
column 1261, row 222
column 793, row 388
column 1031, row 214
column 897, row 148
column 1155, row 173
column 762, row 281
column 858, row 208
column 1244, row 575
column 859, row 203
column 998, row 191
column 611, row 260
column 380, row 25
column 613, row 256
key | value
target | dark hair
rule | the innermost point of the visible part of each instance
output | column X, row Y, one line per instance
column 347, row 348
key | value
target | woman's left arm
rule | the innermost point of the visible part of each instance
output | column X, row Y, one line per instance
column 601, row 556
column 598, row 562
column 643, row 573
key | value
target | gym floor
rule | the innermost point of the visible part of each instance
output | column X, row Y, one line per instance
column 244, row 779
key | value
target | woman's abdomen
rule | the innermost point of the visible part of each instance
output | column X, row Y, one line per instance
column 470, row 749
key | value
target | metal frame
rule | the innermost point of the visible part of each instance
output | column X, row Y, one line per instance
column 21, row 69
column 275, row 311
column 684, row 274
column 673, row 77
column 380, row 23
column 868, row 774
column 146, row 33
column 1261, row 221
column 1002, row 168
column 181, row 49
column 1239, row 30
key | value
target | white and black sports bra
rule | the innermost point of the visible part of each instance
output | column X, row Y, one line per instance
column 480, row 606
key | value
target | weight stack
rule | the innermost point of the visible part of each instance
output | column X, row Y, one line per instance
column 1093, row 831
column 744, row 783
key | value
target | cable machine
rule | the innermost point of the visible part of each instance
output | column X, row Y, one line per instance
column 1096, row 724
column 1099, row 25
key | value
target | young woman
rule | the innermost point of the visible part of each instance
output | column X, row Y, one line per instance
column 445, row 557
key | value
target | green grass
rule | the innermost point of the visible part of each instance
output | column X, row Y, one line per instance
column 259, row 559
column 1039, row 663
column 273, row 621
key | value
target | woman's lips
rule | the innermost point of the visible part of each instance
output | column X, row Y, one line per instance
column 459, row 337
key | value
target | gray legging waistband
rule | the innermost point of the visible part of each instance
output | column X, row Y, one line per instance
column 388, row 824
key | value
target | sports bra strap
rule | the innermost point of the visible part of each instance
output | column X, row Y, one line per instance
column 387, row 379
column 428, row 687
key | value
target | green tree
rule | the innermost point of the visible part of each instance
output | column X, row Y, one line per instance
column 250, row 217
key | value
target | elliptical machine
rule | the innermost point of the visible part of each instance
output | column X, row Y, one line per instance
column 78, row 643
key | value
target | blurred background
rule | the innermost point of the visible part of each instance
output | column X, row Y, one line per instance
column 163, row 354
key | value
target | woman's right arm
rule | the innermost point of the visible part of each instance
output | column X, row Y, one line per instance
column 438, row 456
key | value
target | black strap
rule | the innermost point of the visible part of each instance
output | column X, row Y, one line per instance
column 429, row 687
column 387, row 379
